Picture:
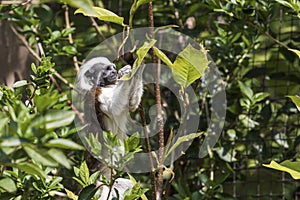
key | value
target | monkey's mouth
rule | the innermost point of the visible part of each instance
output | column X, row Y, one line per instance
column 112, row 79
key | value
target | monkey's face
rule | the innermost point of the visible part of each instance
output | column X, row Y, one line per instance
column 101, row 74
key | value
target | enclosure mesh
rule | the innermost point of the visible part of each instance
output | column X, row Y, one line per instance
column 280, row 79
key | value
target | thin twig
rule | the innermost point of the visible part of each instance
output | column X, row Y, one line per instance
column 161, row 142
column 123, row 42
column 99, row 32
column 80, row 116
column 75, row 60
column 38, row 58
column 20, row 2
column 275, row 40
column 148, row 147
column 23, row 40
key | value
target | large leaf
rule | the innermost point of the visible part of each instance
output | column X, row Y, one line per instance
column 8, row 185
column 296, row 101
column 297, row 52
column 11, row 142
column 64, row 144
column 247, row 91
column 20, row 83
column 182, row 139
column 29, row 168
column 4, row 119
column 293, row 168
column 86, row 5
column 71, row 195
column 87, row 192
column 45, row 101
column 189, row 65
column 54, row 119
column 60, row 157
column 84, row 173
column 141, row 54
column 163, row 57
column 39, row 156
column 135, row 5
column 102, row 14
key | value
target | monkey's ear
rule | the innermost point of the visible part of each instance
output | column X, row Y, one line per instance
column 89, row 75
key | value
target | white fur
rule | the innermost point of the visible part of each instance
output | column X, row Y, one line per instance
column 117, row 100
column 82, row 82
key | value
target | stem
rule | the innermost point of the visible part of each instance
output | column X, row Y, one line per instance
column 112, row 181
column 99, row 32
column 161, row 142
column 75, row 60
column 148, row 147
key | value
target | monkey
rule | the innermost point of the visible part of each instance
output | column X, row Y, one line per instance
column 113, row 98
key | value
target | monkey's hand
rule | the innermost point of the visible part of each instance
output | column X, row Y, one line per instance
column 124, row 70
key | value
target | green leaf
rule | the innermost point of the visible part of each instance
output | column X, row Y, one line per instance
column 76, row 171
column 20, row 83
column 87, row 192
column 64, row 144
column 71, row 195
column 55, row 181
column 247, row 121
column 11, row 142
column 59, row 157
column 141, row 2
column 86, row 5
column 79, row 181
column 293, row 168
column 84, row 173
column 29, row 168
column 33, row 67
column 70, row 49
column 260, row 96
column 163, row 57
column 135, row 5
column 45, row 101
column 8, row 185
column 54, row 119
column 143, row 196
column 247, row 91
column 102, row 14
column 182, row 139
column 3, row 119
column 93, row 177
column 297, row 52
column 189, row 65
column 142, row 52
column 133, row 142
column 39, row 157
column 296, row 101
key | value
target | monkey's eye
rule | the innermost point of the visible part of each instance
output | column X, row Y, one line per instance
column 110, row 67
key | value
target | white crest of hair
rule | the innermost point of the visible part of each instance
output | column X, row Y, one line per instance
column 82, row 82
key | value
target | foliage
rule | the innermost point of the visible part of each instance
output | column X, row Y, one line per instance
column 34, row 136
column 38, row 147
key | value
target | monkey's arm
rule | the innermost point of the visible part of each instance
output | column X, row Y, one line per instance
column 124, row 96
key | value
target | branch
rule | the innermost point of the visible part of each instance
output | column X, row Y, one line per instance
column 161, row 142
column 75, row 60
column 99, row 32
column 275, row 40
column 148, row 147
